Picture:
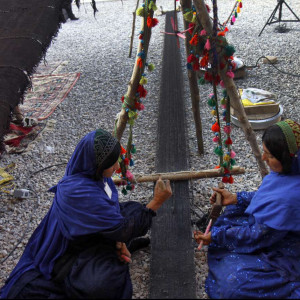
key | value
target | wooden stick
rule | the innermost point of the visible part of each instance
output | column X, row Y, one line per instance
column 133, row 28
column 135, row 79
column 183, row 175
column 193, row 83
column 205, row 233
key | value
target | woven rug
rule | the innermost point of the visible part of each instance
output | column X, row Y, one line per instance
column 47, row 92
column 51, row 68
column 19, row 137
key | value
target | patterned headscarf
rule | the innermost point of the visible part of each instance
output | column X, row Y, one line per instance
column 291, row 131
column 104, row 145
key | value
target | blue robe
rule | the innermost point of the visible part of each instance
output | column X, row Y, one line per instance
column 255, row 249
column 82, row 209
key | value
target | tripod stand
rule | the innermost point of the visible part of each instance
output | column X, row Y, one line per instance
column 273, row 19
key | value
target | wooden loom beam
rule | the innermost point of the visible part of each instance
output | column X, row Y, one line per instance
column 183, row 175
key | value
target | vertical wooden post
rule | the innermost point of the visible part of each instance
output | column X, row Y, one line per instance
column 135, row 79
column 133, row 28
column 193, row 83
column 232, row 92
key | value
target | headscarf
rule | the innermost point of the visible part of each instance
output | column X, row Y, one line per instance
column 80, row 206
column 291, row 131
column 277, row 201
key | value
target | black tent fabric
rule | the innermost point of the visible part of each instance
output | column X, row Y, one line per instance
column 27, row 28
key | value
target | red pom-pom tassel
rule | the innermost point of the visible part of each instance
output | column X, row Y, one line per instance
column 215, row 127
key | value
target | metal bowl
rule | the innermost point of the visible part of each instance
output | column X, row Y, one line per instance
column 260, row 124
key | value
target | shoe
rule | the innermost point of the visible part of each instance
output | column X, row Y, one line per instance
column 137, row 244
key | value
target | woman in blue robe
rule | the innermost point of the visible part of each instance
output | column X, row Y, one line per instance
column 79, row 248
column 254, row 246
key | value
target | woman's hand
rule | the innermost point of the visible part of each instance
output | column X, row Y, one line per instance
column 123, row 253
column 162, row 192
column 200, row 236
column 228, row 198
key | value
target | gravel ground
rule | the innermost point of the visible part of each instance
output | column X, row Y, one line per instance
column 98, row 49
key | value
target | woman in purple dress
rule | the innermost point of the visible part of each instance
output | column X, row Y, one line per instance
column 79, row 250
column 254, row 246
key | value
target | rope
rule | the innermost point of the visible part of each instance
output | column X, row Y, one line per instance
column 281, row 71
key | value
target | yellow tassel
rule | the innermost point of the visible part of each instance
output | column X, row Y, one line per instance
column 143, row 80
column 213, row 112
column 152, row 6
column 226, row 157
column 188, row 16
column 194, row 19
column 140, row 11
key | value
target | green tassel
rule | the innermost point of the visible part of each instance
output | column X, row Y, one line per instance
column 151, row 67
column 232, row 161
column 224, row 93
column 143, row 80
column 201, row 81
column 211, row 102
column 152, row 6
column 128, row 187
column 235, row 14
column 124, row 192
column 131, row 122
column 133, row 149
column 225, row 164
column 218, row 151
column 194, row 19
column 188, row 16
column 132, row 114
column 223, row 101
column 229, row 50
column 140, row 11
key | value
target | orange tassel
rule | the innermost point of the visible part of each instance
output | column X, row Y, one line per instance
column 215, row 127
column 194, row 40
column 139, row 62
column 204, row 61
column 221, row 33
column 123, row 151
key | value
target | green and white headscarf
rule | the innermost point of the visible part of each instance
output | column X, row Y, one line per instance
column 291, row 131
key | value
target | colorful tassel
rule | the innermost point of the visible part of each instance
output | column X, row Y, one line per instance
column 227, row 129
column 232, row 154
column 203, row 32
column 230, row 74
column 207, row 45
column 139, row 62
column 140, row 11
column 151, row 67
column 143, row 80
column 215, row 127
column 194, row 40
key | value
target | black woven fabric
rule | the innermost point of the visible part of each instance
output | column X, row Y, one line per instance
column 26, row 31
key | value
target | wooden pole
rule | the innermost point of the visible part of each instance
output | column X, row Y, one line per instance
column 193, row 83
column 135, row 79
column 133, row 28
column 183, row 175
column 232, row 92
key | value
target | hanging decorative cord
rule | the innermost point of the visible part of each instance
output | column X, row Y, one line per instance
column 232, row 17
column 126, row 159
column 214, row 48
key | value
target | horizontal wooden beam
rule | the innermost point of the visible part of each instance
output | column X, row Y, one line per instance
column 183, row 175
